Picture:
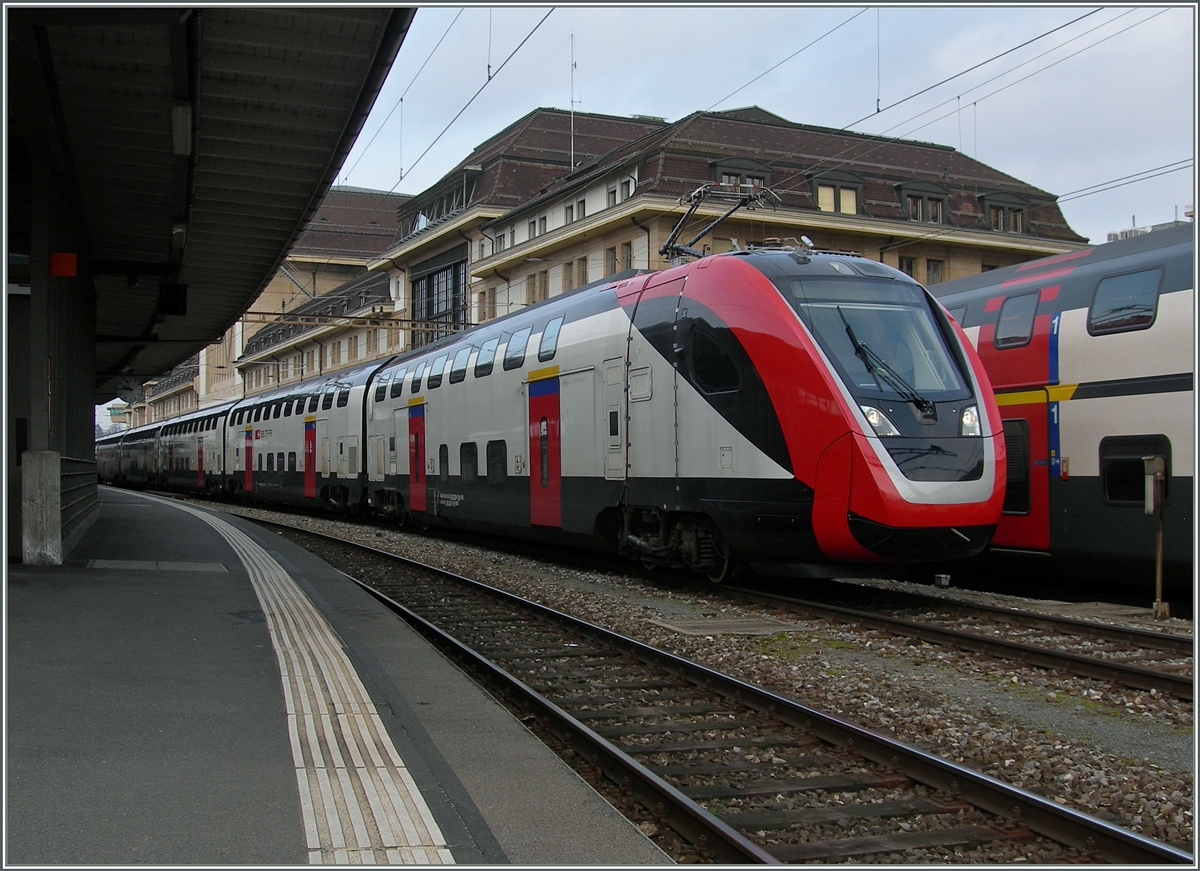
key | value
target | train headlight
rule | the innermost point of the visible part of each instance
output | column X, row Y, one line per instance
column 969, row 424
column 879, row 421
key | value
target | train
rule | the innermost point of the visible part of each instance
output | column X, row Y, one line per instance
column 1091, row 356
column 773, row 406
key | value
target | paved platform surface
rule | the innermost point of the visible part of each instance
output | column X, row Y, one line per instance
column 188, row 689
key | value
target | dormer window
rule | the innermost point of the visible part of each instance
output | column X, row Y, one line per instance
column 741, row 175
column 1005, row 212
column 836, row 191
column 924, row 201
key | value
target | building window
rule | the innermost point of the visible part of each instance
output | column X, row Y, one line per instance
column 532, row 230
column 581, row 270
column 908, row 265
column 933, row 272
column 610, row 261
column 440, row 296
column 929, row 209
column 541, row 225
column 924, row 201
column 626, row 261
column 1004, row 212
column 625, row 189
column 499, row 242
column 580, row 210
column 568, row 276
column 482, row 249
column 352, row 349
column 544, row 285
column 568, row 213
column 612, row 196
column 833, row 198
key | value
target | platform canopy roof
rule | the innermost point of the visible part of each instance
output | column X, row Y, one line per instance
column 195, row 144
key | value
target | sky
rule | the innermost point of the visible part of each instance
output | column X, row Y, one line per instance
column 1105, row 98
column 1070, row 106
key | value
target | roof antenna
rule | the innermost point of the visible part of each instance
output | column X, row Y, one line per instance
column 572, row 101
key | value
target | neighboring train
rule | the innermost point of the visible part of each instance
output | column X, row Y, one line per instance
column 1091, row 356
column 777, row 405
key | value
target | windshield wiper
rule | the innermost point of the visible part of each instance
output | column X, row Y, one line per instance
column 877, row 367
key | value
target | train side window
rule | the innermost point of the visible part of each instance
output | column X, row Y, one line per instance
column 343, row 398
column 398, row 383
column 458, row 368
column 278, row 411
column 1125, row 302
column 444, row 463
column 260, row 468
column 1016, row 445
column 291, row 461
column 381, row 387
column 270, row 462
column 416, row 379
column 497, row 462
column 468, row 459
column 312, row 404
column 549, row 343
column 327, row 400
column 487, row 357
column 713, row 368
column 279, row 461
column 514, row 354
column 436, row 370
column 1014, row 328
column 1122, row 473
column 258, row 410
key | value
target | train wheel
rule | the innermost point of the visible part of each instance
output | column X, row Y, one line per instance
column 726, row 569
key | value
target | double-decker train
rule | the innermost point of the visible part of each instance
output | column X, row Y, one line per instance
column 1091, row 355
column 769, row 406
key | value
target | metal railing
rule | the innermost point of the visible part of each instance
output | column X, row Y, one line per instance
column 78, row 498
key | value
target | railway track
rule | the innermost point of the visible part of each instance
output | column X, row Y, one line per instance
column 740, row 773
column 1144, row 659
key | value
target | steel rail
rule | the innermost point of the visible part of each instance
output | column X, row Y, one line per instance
column 1169, row 641
column 1086, row 666
column 1040, row 815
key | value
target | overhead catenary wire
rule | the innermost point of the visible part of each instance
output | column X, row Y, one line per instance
column 885, row 140
column 399, row 103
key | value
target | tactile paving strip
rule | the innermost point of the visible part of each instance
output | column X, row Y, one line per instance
column 359, row 802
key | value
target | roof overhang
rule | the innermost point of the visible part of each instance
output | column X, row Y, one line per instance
column 197, row 144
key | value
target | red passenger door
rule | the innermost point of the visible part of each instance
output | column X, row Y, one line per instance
column 310, row 458
column 200, row 462
column 1031, row 444
column 545, row 455
column 416, row 457
column 247, row 473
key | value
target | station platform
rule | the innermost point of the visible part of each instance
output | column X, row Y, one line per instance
column 189, row 689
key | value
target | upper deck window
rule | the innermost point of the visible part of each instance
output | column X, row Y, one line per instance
column 549, row 343
column 1125, row 302
column 1015, row 325
column 486, row 358
column 514, row 354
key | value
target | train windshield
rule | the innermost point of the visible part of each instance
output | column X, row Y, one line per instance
column 881, row 337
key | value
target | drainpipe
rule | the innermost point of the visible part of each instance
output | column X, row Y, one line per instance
column 642, row 226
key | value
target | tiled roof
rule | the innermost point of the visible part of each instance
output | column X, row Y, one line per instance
column 526, row 156
column 351, row 221
column 678, row 158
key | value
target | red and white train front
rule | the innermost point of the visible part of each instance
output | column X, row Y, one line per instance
column 854, row 382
